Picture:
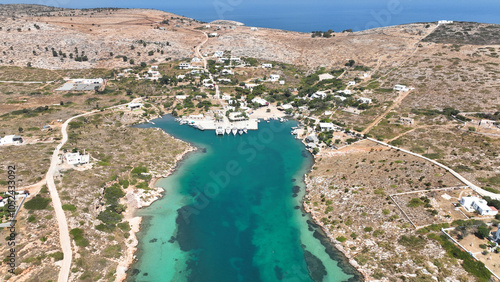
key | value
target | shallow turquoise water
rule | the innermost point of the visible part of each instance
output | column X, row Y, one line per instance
column 230, row 213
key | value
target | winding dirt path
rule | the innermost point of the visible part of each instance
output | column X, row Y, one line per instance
column 56, row 201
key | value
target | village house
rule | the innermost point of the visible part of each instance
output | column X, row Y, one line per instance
column 250, row 85
column 326, row 126
column 254, row 29
column 219, row 53
column 487, row 123
column 351, row 83
column 260, row 101
column 444, row 22
column 274, row 77
column 267, row 66
column 226, row 72
column 184, row 66
column 235, row 59
column 154, row 67
column 282, row 82
column 365, row 100
column 11, row 140
column 180, row 97
column 77, row 158
column 286, row 107
column 319, row 95
column 195, row 60
column 399, row 87
column 213, row 34
column 341, row 98
column 134, row 106
column 346, row 92
column 472, row 204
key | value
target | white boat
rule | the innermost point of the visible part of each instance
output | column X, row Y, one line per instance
column 245, row 130
column 234, row 130
column 240, row 131
column 219, row 131
column 228, row 130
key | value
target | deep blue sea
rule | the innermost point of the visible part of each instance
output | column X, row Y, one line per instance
column 306, row 16
column 231, row 212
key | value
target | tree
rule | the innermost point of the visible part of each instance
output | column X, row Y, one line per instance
column 143, row 64
column 483, row 231
column 20, row 129
column 131, row 61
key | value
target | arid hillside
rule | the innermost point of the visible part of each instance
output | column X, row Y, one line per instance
column 108, row 38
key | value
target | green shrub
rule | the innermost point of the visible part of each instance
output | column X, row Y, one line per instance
column 77, row 235
column 57, row 256
column 341, row 239
column 69, row 207
column 37, row 203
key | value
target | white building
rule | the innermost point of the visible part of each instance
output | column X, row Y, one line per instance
column 195, row 60
column 365, row 100
column 213, row 34
column 267, row 66
column 226, row 72
column 89, row 81
column 475, row 204
column 219, row 53
column 347, row 92
column 11, row 140
column 260, row 101
column 226, row 97
column 77, row 158
column 287, row 107
column 235, row 59
column 444, row 22
column 341, row 98
column 154, row 67
column 181, row 76
column 274, row 77
column 184, row 66
column 282, row 82
column 180, row 97
column 134, row 106
column 351, row 83
column 399, row 87
column 250, row 85
column 254, row 29
column 318, row 95
column 326, row 126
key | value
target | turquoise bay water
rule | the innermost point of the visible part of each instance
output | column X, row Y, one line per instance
column 231, row 213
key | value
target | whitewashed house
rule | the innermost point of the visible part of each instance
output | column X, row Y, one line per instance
column 399, row 87
column 326, row 126
column 180, row 97
column 351, row 83
column 444, row 22
column 274, row 77
column 219, row 54
column 341, row 98
column 267, row 66
column 11, row 140
column 287, row 107
column 184, row 66
column 260, row 101
column 319, row 95
column 226, row 72
column 77, row 158
column 154, row 67
column 195, row 60
column 365, row 100
column 282, row 82
column 346, row 92
column 134, row 106
column 324, row 76
column 472, row 204
column 213, row 34
column 254, row 29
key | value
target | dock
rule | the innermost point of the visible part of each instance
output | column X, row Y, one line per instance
column 221, row 127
